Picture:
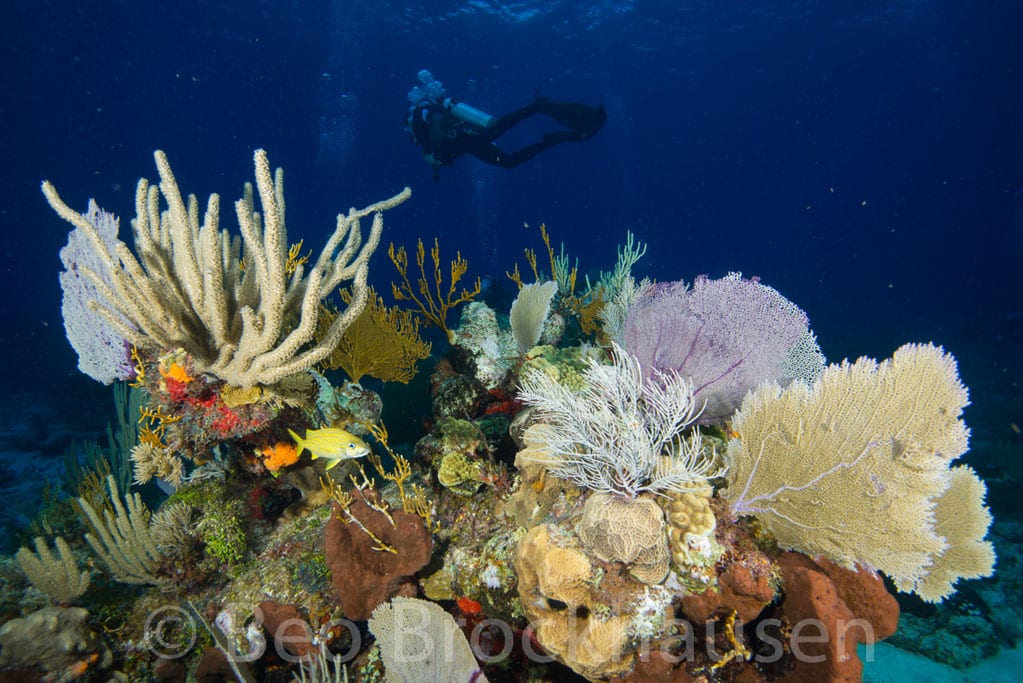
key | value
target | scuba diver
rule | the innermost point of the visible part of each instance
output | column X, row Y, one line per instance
column 446, row 128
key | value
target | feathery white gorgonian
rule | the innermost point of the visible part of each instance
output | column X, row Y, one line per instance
column 621, row 434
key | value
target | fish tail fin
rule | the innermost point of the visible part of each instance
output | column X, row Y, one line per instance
column 299, row 441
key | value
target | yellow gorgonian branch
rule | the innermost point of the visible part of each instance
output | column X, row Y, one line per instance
column 561, row 272
column 153, row 426
column 344, row 502
column 140, row 369
column 295, row 259
column 431, row 298
column 413, row 499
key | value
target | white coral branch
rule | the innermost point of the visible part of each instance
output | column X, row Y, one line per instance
column 620, row 434
column 237, row 312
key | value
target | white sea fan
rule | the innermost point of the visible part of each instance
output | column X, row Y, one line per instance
column 529, row 312
column 102, row 351
column 420, row 643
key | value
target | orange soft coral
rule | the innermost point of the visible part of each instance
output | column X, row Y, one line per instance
column 279, row 455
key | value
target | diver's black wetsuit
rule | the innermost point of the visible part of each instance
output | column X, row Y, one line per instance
column 444, row 137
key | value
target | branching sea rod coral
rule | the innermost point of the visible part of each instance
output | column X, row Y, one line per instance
column 230, row 303
column 620, row 434
column 54, row 572
column 431, row 301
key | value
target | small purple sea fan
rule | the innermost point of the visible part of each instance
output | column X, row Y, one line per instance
column 727, row 336
column 102, row 353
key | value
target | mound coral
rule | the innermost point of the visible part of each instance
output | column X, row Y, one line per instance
column 627, row 530
column 556, row 585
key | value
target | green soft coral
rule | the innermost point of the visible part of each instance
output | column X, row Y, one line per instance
column 222, row 532
column 225, row 539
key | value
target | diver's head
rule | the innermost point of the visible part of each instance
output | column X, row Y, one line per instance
column 428, row 90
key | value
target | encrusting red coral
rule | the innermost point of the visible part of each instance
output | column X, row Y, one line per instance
column 284, row 624
column 825, row 613
column 469, row 607
column 738, row 589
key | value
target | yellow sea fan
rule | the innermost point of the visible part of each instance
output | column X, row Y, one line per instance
column 851, row 468
column 962, row 519
column 381, row 342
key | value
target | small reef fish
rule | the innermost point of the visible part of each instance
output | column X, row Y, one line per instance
column 330, row 443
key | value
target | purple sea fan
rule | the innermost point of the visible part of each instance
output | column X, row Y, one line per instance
column 103, row 354
column 727, row 336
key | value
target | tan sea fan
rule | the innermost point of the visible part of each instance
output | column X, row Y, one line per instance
column 855, row 468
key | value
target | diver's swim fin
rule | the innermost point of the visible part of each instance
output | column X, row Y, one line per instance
column 582, row 118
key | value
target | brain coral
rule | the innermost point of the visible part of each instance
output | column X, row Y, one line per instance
column 628, row 530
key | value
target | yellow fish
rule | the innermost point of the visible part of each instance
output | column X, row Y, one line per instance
column 330, row 443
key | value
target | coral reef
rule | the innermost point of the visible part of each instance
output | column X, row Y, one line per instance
column 697, row 505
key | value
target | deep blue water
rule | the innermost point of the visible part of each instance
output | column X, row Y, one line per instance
column 864, row 158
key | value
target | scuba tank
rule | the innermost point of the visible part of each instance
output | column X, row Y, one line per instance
column 468, row 113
